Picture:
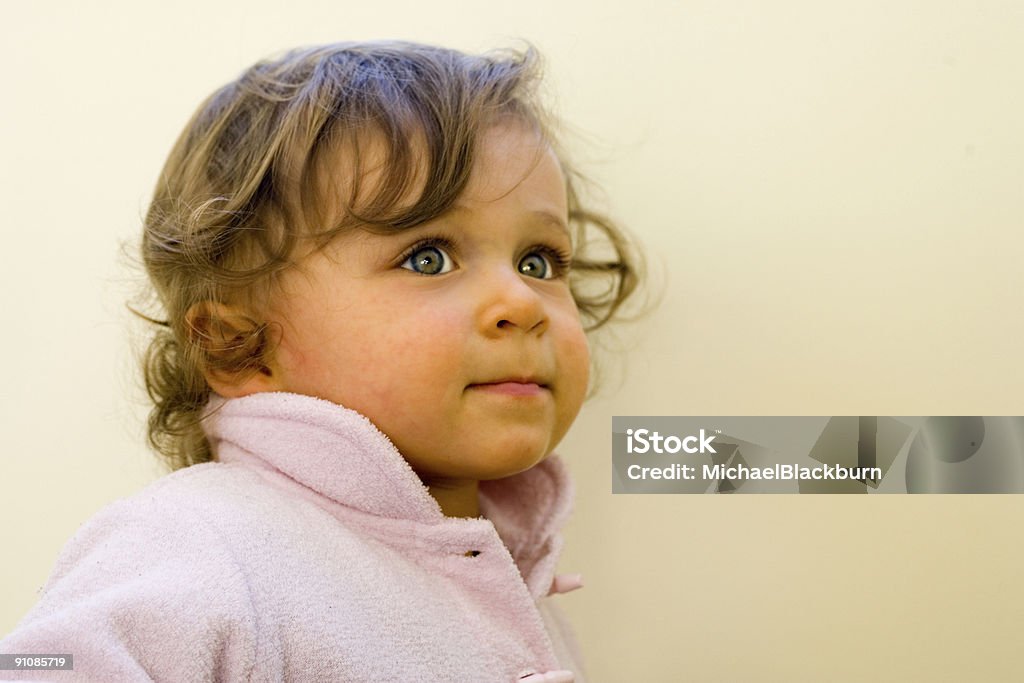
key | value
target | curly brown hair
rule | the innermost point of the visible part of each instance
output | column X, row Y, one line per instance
column 240, row 189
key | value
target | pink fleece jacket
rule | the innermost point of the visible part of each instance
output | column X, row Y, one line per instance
column 309, row 552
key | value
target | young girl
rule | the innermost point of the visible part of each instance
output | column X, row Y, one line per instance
column 373, row 266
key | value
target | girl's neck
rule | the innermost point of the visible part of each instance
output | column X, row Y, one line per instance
column 457, row 497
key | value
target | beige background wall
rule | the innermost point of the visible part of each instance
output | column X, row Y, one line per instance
column 831, row 197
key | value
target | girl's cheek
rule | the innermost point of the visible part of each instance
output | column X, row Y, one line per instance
column 575, row 354
column 583, row 361
column 574, row 329
column 420, row 336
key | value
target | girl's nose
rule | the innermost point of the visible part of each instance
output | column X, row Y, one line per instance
column 509, row 304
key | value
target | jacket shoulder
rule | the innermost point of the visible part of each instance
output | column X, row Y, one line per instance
column 148, row 588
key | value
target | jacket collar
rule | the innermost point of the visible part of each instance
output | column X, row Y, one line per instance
column 340, row 454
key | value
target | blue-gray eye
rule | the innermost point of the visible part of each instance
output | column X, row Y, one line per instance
column 536, row 265
column 428, row 260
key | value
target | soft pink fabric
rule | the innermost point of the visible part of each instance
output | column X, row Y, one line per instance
column 310, row 551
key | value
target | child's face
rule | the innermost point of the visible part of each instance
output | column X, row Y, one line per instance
column 458, row 338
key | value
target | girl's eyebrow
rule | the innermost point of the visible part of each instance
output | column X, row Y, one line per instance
column 552, row 219
column 541, row 215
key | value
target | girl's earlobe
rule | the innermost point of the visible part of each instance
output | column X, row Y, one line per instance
column 234, row 351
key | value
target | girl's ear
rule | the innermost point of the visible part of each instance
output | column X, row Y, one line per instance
column 236, row 351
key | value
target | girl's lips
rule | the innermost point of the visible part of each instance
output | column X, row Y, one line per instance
column 511, row 388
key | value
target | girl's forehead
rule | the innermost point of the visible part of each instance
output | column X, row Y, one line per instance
column 366, row 170
column 507, row 157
